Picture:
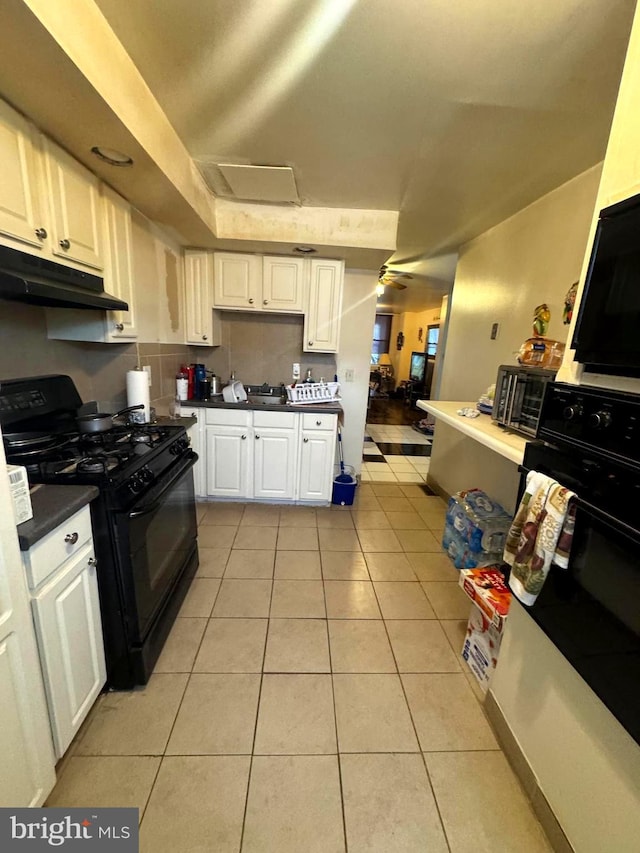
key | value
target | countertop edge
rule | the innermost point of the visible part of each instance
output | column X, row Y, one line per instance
column 481, row 429
column 52, row 506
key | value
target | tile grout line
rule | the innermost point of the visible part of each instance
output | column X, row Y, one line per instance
column 335, row 717
column 255, row 728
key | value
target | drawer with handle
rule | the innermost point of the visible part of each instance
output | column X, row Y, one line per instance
column 315, row 421
column 47, row 555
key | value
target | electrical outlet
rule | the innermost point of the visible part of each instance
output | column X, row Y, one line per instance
column 295, row 373
column 147, row 370
column 349, row 374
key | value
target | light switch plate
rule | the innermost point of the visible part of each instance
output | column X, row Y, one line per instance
column 295, row 373
column 495, row 328
column 349, row 374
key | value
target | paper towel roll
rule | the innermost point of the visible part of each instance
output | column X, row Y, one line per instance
column 138, row 390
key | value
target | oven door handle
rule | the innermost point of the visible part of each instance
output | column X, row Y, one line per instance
column 192, row 458
column 600, row 514
column 610, row 520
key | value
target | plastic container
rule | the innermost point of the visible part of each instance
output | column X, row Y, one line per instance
column 475, row 529
column 313, row 392
column 344, row 493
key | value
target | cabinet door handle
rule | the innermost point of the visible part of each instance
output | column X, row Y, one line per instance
column 243, row 437
column 41, row 233
column 204, row 337
column 310, row 343
column 251, row 302
column 119, row 327
column 92, row 561
column 257, row 437
column 265, row 301
column 71, row 538
column 318, row 423
column 305, row 440
column 65, row 244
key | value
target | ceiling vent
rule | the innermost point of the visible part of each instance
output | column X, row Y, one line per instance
column 268, row 184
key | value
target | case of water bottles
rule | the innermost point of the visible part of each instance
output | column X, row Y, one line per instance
column 475, row 530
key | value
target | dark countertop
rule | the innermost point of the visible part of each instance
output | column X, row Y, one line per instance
column 186, row 422
column 52, row 505
column 314, row 408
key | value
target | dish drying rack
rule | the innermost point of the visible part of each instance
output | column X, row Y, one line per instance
column 307, row 393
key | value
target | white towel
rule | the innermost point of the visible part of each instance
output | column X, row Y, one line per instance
column 533, row 538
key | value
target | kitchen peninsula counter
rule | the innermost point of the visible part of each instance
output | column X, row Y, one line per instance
column 482, row 429
column 52, row 505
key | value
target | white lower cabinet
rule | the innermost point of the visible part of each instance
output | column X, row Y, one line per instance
column 275, row 455
column 228, row 452
column 316, row 465
column 265, row 455
column 66, row 614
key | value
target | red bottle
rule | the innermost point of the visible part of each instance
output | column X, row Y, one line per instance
column 191, row 375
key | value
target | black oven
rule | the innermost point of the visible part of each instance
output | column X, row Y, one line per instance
column 155, row 545
column 143, row 520
column 591, row 610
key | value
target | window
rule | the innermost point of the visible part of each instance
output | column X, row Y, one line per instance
column 433, row 333
column 381, row 336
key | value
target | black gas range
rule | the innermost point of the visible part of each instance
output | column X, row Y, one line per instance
column 144, row 519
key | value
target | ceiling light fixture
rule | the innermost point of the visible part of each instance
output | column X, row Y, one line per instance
column 305, row 250
column 379, row 289
column 111, row 156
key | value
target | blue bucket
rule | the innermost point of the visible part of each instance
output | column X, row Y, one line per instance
column 344, row 492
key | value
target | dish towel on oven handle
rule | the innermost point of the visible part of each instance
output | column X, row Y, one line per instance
column 540, row 534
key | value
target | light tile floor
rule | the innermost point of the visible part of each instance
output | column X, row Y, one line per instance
column 310, row 697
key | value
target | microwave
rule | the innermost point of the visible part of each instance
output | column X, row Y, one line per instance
column 606, row 337
column 518, row 399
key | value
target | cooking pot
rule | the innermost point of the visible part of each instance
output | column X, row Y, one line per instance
column 100, row 421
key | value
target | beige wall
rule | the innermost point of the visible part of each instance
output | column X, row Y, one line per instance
column 409, row 323
column 586, row 764
column 501, row 276
column 356, row 333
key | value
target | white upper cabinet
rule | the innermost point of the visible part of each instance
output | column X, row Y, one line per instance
column 203, row 326
column 283, row 283
column 324, row 306
column 237, row 281
column 21, row 213
column 118, row 276
column 75, row 204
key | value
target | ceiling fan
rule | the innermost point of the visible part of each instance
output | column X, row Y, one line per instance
column 389, row 277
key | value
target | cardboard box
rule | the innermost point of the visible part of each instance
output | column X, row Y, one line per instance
column 489, row 592
column 19, row 488
column 481, row 647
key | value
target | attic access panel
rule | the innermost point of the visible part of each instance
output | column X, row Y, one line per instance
column 261, row 183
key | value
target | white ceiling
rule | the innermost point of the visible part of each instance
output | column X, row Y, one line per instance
column 457, row 113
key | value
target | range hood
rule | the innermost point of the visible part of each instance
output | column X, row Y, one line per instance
column 39, row 281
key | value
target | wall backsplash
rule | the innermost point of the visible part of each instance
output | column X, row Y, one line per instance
column 262, row 348
column 257, row 349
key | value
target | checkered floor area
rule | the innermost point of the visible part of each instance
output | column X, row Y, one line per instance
column 395, row 454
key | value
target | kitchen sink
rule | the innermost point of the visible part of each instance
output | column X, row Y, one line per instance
column 266, row 399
